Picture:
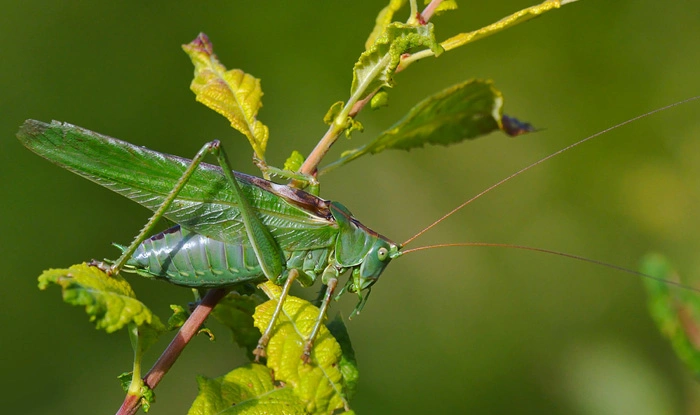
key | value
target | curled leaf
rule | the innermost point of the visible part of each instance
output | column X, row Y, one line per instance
column 232, row 93
column 377, row 64
column 385, row 16
column 333, row 112
column 109, row 300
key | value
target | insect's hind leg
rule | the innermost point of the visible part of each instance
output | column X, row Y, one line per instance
column 265, row 338
column 210, row 147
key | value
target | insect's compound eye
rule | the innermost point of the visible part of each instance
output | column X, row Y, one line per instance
column 382, row 254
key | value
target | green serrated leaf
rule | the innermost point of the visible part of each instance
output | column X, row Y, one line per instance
column 294, row 161
column 385, row 16
column 464, row 111
column 676, row 312
column 376, row 66
column 109, row 300
column 319, row 384
column 232, row 93
column 235, row 311
column 248, row 390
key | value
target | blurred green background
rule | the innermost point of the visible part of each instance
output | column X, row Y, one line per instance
column 472, row 330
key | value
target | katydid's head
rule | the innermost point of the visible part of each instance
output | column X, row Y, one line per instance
column 373, row 264
column 361, row 250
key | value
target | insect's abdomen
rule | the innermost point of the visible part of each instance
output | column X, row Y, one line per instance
column 192, row 260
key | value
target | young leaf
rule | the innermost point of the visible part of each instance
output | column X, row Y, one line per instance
column 235, row 311
column 464, row 111
column 444, row 6
column 377, row 64
column 294, row 161
column 246, row 390
column 676, row 312
column 385, row 16
column 233, row 94
column 319, row 384
column 178, row 318
column 333, row 112
column 109, row 300
column 379, row 100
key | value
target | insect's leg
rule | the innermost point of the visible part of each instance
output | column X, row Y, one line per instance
column 303, row 180
column 306, row 356
column 265, row 338
column 267, row 252
column 318, row 301
column 148, row 228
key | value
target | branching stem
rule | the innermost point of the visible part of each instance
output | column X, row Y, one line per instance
column 132, row 403
column 352, row 107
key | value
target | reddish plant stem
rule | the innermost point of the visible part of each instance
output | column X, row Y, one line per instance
column 314, row 159
column 132, row 403
column 429, row 10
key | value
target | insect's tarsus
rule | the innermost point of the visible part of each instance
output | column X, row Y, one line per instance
column 542, row 160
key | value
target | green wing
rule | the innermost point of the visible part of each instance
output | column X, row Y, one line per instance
column 296, row 219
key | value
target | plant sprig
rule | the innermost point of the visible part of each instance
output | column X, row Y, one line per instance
column 467, row 110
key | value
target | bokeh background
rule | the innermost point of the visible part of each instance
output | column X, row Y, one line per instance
column 470, row 330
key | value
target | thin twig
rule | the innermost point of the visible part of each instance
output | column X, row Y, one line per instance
column 314, row 159
column 132, row 403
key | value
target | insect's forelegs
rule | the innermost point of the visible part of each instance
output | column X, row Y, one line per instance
column 265, row 338
column 148, row 228
column 330, row 288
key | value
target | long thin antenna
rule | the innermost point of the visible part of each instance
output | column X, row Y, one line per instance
column 563, row 254
column 540, row 161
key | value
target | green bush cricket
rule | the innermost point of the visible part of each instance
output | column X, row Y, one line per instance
column 253, row 229
column 234, row 228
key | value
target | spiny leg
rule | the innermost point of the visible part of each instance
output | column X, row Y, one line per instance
column 265, row 338
column 306, row 356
